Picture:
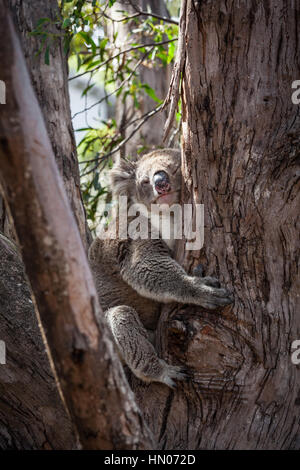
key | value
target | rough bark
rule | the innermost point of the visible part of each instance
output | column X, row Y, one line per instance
column 29, row 415
column 156, row 76
column 32, row 415
column 94, row 387
column 241, row 159
column 50, row 84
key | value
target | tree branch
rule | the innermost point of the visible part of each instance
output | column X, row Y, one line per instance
column 116, row 89
column 141, row 13
column 133, row 48
column 173, row 94
column 144, row 118
column 92, row 380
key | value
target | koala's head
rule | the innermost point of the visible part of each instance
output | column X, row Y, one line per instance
column 153, row 179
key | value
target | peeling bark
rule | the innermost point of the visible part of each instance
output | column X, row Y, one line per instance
column 241, row 159
column 6, row 226
column 92, row 381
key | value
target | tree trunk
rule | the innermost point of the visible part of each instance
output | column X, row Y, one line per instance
column 50, row 83
column 91, row 378
column 29, row 415
column 241, row 160
column 157, row 77
column 30, row 405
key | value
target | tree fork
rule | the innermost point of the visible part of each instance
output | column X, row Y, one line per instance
column 94, row 387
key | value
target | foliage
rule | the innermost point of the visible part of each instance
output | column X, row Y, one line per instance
column 96, row 56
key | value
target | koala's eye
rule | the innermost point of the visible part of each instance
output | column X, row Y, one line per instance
column 145, row 180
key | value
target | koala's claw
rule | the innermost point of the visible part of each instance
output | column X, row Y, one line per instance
column 172, row 373
column 207, row 280
column 199, row 270
column 211, row 281
column 210, row 293
column 213, row 297
column 218, row 298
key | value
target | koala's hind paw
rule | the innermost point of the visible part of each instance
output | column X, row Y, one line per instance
column 171, row 373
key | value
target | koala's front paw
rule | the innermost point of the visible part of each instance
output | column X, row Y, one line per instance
column 211, row 296
column 171, row 373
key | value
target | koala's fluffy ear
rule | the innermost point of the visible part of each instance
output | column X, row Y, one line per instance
column 122, row 178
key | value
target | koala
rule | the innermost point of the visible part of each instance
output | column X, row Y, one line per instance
column 134, row 276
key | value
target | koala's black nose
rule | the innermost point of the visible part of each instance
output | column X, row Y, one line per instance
column 161, row 182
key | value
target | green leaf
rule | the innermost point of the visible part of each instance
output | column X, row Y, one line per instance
column 47, row 55
column 67, row 22
column 87, row 89
column 66, row 42
column 111, row 2
column 96, row 182
column 88, row 40
column 103, row 43
column 78, row 62
column 93, row 64
column 119, row 92
column 171, row 52
column 42, row 21
column 150, row 92
column 135, row 102
column 85, row 36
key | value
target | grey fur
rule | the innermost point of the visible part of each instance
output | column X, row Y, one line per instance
column 133, row 276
